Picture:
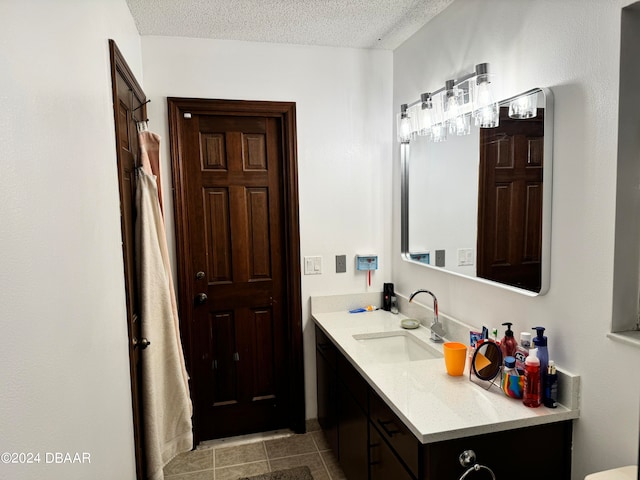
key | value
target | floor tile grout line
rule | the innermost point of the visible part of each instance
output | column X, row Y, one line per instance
column 266, row 454
column 182, row 474
column 295, row 455
column 325, row 466
column 244, row 463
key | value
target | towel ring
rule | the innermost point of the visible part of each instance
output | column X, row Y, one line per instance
column 476, row 468
column 466, row 458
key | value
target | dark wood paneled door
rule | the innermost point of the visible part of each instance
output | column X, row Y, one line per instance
column 129, row 100
column 510, row 202
column 234, row 218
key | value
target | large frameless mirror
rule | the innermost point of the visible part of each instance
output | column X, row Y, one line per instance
column 479, row 205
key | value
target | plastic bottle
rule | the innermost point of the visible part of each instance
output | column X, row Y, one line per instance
column 550, row 397
column 540, row 342
column 522, row 350
column 510, row 383
column 532, row 394
column 508, row 344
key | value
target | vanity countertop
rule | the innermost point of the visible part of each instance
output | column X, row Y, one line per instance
column 433, row 405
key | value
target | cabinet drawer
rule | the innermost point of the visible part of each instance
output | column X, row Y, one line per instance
column 384, row 465
column 393, row 430
column 326, row 348
column 354, row 382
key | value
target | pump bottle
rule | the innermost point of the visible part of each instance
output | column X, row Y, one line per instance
column 508, row 344
column 540, row 342
column 532, row 391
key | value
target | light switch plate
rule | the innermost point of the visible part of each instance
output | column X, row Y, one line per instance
column 465, row 257
column 439, row 258
column 341, row 263
column 312, row 265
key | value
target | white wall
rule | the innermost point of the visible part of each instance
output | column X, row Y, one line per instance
column 572, row 47
column 64, row 367
column 343, row 105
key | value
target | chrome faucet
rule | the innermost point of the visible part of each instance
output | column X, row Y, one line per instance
column 437, row 331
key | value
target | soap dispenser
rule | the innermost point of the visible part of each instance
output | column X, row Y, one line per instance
column 508, row 344
column 532, row 394
column 540, row 342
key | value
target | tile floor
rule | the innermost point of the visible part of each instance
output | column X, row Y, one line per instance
column 221, row 460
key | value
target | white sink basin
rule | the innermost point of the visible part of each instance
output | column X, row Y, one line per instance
column 394, row 347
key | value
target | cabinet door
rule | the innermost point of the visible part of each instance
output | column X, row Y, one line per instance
column 327, row 379
column 353, row 436
column 384, row 465
column 549, row 445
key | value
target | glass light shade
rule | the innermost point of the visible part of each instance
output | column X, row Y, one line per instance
column 425, row 119
column 488, row 116
column 439, row 132
column 457, row 121
column 486, row 110
column 523, row 107
column 414, row 113
column 404, row 128
column 438, row 129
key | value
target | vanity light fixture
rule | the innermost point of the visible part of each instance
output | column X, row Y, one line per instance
column 449, row 109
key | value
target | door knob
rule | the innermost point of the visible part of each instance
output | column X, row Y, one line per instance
column 142, row 343
column 201, row 298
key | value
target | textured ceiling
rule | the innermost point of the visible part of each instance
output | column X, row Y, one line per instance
column 381, row 24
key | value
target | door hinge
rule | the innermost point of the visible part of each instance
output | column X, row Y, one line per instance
column 214, row 365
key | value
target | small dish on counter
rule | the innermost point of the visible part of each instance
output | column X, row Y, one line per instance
column 409, row 323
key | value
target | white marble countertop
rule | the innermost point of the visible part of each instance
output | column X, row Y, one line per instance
column 433, row 405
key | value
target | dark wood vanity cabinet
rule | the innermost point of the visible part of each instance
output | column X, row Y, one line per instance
column 371, row 442
column 326, row 357
column 343, row 398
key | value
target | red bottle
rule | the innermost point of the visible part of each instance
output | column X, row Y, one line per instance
column 532, row 395
column 509, row 345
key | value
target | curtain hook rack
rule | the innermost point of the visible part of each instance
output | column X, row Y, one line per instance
column 141, row 105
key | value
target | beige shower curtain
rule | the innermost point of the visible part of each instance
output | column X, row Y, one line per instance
column 167, row 406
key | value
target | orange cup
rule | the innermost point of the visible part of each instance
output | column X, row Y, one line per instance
column 455, row 356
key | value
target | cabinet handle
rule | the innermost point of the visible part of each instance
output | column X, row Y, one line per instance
column 383, row 425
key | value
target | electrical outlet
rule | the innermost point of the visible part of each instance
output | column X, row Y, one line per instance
column 439, row 258
column 341, row 263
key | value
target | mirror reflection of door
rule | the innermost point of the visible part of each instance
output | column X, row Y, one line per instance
column 510, row 202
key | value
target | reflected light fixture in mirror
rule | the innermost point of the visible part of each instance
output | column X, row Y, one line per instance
column 525, row 106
